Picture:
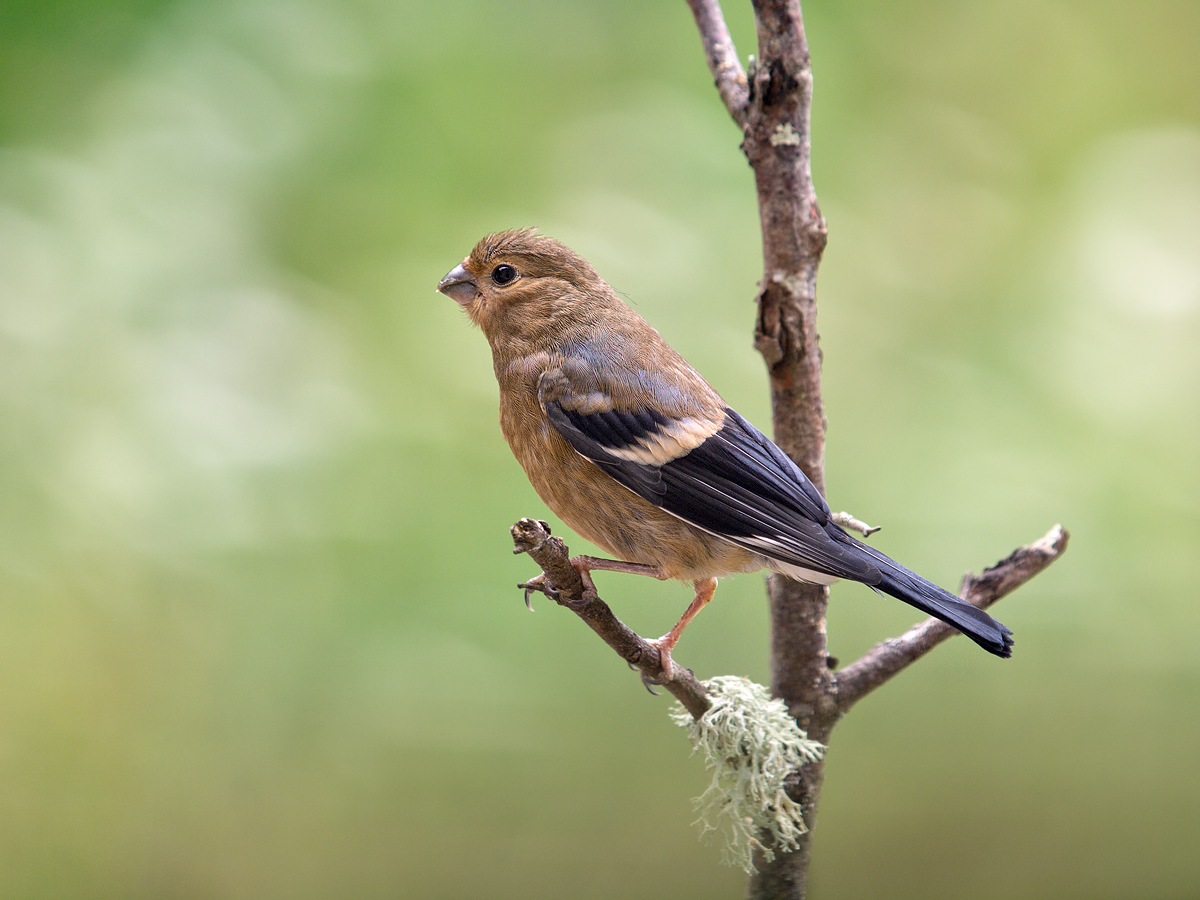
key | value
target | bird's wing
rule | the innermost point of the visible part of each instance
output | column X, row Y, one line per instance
column 716, row 471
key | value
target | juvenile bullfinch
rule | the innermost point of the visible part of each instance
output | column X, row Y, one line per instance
column 634, row 450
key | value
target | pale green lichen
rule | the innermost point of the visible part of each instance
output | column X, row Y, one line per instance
column 785, row 135
column 750, row 746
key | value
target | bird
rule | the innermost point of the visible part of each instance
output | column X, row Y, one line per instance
column 631, row 447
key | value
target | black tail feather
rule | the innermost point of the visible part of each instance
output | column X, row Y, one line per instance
column 906, row 585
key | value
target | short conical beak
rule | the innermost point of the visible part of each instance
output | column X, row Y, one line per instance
column 459, row 286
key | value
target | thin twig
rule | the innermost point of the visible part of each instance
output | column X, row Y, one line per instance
column 564, row 585
column 727, row 71
column 885, row 660
column 850, row 523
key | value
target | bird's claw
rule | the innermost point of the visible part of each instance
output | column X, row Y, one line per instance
column 648, row 682
column 572, row 603
column 538, row 584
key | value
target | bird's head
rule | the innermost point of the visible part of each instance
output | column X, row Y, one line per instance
column 521, row 287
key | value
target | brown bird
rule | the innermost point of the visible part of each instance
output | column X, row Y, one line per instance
column 634, row 450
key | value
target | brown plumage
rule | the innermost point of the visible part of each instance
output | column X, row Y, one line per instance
column 634, row 450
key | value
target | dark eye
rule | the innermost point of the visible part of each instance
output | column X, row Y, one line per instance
column 504, row 275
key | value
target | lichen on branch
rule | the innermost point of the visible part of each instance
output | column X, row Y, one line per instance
column 751, row 745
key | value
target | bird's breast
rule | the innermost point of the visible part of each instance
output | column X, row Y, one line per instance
column 602, row 510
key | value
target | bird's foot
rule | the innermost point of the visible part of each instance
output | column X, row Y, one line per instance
column 664, row 645
column 539, row 584
column 585, row 575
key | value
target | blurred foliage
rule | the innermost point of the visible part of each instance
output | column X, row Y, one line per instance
column 258, row 630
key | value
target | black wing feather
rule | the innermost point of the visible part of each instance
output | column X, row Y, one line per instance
column 737, row 484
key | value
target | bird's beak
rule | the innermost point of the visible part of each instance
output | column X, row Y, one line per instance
column 459, row 285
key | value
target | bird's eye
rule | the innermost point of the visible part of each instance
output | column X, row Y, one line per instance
column 503, row 275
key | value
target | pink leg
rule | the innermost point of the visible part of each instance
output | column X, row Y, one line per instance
column 585, row 565
column 705, row 588
column 597, row 564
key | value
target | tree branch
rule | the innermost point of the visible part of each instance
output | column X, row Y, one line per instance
column 723, row 63
column 564, row 585
column 777, row 145
column 885, row 660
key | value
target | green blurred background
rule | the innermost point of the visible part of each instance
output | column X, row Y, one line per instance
column 259, row 636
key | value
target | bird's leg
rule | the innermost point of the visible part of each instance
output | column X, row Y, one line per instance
column 705, row 588
column 585, row 564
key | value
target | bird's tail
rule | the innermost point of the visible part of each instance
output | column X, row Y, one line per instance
column 906, row 585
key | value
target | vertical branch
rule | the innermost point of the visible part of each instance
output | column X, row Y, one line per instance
column 775, row 124
column 778, row 146
column 775, row 121
column 777, row 143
